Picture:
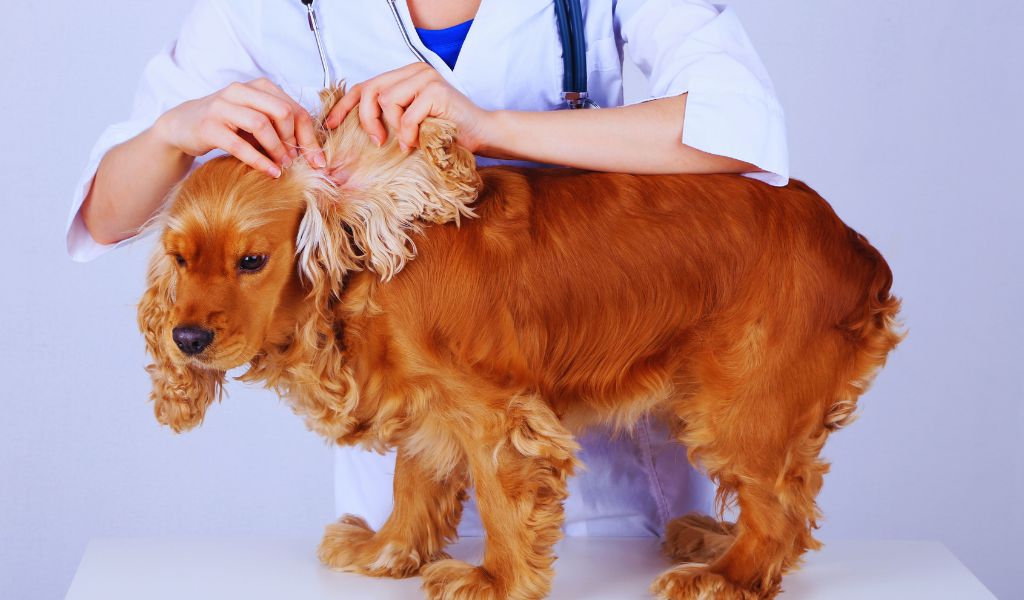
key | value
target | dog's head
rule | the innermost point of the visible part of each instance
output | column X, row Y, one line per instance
column 248, row 267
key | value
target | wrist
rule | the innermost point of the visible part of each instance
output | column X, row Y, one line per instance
column 162, row 140
column 496, row 139
column 165, row 155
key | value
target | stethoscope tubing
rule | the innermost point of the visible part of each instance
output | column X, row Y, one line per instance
column 569, row 16
column 315, row 28
column 405, row 34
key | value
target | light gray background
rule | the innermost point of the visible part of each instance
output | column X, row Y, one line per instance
column 905, row 114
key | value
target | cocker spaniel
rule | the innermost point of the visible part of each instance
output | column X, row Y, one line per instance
column 477, row 320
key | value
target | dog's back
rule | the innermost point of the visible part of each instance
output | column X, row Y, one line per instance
column 599, row 287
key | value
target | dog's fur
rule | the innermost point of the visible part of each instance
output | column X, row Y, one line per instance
column 749, row 318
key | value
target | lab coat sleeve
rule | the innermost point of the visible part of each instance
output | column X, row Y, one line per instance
column 695, row 47
column 211, row 51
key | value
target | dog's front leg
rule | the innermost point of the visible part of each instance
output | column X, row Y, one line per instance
column 426, row 513
column 519, row 462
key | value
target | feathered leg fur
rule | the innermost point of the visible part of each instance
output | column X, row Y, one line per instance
column 519, row 468
column 426, row 513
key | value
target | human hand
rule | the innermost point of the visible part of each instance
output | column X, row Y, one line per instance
column 256, row 122
column 403, row 98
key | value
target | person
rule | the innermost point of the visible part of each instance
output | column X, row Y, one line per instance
column 242, row 77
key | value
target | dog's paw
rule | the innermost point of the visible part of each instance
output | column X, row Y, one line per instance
column 344, row 542
column 351, row 545
column 457, row 580
column 695, row 582
column 696, row 538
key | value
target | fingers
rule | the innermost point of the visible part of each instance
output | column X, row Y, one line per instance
column 293, row 123
column 286, row 120
column 242, row 150
column 422, row 107
column 308, row 144
column 341, row 108
column 394, row 100
column 261, row 128
column 280, row 110
column 402, row 99
column 369, row 115
column 305, row 140
column 367, row 93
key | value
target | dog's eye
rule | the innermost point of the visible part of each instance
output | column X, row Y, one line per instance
column 252, row 263
column 180, row 260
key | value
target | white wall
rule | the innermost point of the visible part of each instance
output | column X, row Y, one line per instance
column 906, row 115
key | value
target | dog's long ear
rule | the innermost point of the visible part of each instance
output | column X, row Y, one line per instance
column 180, row 393
column 311, row 372
column 377, row 195
column 454, row 167
column 324, row 249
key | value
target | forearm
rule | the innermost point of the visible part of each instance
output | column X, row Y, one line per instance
column 640, row 138
column 256, row 122
column 131, row 184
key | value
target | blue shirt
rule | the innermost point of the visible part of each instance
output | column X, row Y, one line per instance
column 446, row 42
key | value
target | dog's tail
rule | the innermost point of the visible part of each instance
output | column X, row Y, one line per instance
column 873, row 328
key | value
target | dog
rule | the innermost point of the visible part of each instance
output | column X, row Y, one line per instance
column 477, row 320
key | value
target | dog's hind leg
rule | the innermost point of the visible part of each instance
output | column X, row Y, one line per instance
column 758, row 433
column 697, row 538
column 426, row 513
column 519, row 457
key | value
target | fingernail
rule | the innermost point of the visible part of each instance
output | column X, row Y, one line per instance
column 287, row 162
column 319, row 160
column 403, row 146
column 376, row 140
column 274, row 172
column 293, row 153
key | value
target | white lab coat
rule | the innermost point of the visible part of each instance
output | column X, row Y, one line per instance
column 511, row 59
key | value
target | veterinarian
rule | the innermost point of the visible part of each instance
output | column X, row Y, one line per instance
column 242, row 76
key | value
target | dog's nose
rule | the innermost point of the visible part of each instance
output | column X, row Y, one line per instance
column 192, row 340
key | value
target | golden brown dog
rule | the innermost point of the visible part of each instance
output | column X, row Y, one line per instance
column 749, row 318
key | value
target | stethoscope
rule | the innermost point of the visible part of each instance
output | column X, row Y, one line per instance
column 569, row 16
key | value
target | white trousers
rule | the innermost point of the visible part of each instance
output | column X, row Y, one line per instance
column 632, row 486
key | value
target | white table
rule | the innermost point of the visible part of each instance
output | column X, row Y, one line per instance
column 594, row 568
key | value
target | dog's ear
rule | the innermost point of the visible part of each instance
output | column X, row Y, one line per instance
column 324, row 250
column 454, row 166
column 329, row 96
column 311, row 372
column 180, row 393
column 369, row 199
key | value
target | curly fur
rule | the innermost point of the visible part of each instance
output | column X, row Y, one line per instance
column 749, row 318
column 381, row 197
column 181, row 391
